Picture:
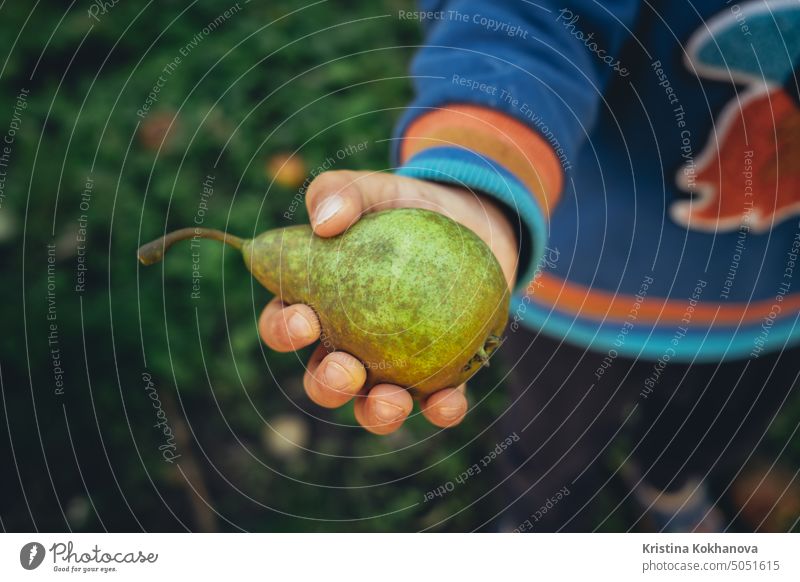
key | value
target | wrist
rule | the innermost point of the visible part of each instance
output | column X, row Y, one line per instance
column 503, row 239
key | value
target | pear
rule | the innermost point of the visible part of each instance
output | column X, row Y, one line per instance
column 419, row 299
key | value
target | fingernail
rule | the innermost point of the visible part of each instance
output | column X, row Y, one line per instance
column 336, row 376
column 299, row 327
column 450, row 412
column 328, row 209
column 387, row 412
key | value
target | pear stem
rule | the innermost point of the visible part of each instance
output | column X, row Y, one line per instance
column 153, row 251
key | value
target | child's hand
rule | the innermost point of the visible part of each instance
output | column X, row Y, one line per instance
column 336, row 200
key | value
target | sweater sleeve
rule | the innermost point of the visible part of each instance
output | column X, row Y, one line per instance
column 506, row 94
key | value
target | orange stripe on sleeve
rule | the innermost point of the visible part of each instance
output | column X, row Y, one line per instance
column 598, row 304
column 503, row 139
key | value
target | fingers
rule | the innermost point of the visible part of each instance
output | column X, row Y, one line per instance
column 337, row 199
column 384, row 409
column 332, row 380
column 447, row 407
column 285, row 329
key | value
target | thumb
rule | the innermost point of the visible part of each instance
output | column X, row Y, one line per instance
column 337, row 199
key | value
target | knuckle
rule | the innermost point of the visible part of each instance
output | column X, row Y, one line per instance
column 311, row 387
column 322, row 394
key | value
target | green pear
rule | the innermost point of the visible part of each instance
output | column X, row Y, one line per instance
column 419, row 299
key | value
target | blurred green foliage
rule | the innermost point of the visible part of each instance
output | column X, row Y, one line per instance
column 275, row 77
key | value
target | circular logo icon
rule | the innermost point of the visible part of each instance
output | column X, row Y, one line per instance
column 31, row 555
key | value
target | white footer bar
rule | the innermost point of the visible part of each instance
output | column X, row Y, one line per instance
column 396, row 557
